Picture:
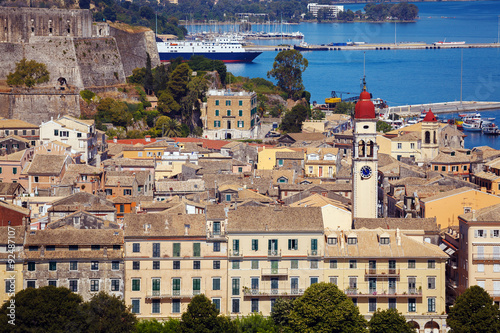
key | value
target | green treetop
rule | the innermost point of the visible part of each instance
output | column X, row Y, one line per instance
column 28, row 73
column 287, row 70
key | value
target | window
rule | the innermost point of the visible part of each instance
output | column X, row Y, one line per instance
column 236, row 246
column 436, row 168
column 156, row 264
column 314, row 264
column 255, row 305
column 241, row 123
column 94, row 285
column 235, row 305
column 52, row 265
column 228, row 197
column 412, row 145
column 115, row 285
column 216, row 113
column 372, row 304
column 255, row 264
column 216, row 247
column 412, row 305
column 31, row 266
column 228, row 103
column 136, row 265
column 400, row 145
column 156, row 250
column 228, row 113
column 50, row 248
column 352, row 240
column 431, row 282
column 431, row 304
column 136, row 305
column 216, row 302
column 73, row 285
column 236, row 264
column 240, row 169
column 196, row 264
column 431, row 263
column 240, row 113
column 53, row 283
column 94, row 265
column 333, row 263
column 443, row 168
column 392, row 303
column 136, row 284
column 139, row 154
column 176, row 306
column 95, row 247
column 480, row 268
column 73, row 265
column 216, row 264
column 14, row 171
column 216, row 123
column 384, row 240
column 73, row 247
column 216, row 228
column 480, row 233
column 78, row 135
column 216, row 283
column 155, row 306
column 33, row 248
column 176, row 250
column 235, row 290
column 176, row 264
column 332, row 241
column 127, row 192
column 216, row 102
column 136, row 247
column 280, row 162
column 353, row 264
column 196, row 250
column 495, row 233
column 311, row 169
column 56, row 132
column 411, row 263
column 334, row 280
column 293, row 244
column 294, row 264
column 240, row 103
column 313, row 280
column 196, row 286
column 496, row 268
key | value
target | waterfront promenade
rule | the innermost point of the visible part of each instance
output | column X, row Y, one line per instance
column 445, row 107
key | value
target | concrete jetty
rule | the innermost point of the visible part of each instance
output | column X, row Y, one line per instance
column 372, row 47
column 444, row 107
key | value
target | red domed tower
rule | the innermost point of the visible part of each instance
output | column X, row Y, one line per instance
column 430, row 131
column 365, row 160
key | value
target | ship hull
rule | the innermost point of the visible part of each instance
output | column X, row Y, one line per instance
column 228, row 57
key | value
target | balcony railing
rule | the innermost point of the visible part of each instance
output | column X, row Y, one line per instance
column 486, row 257
column 155, row 294
column 274, row 253
column 274, row 271
column 313, row 253
column 354, row 292
column 382, row 272
column 216, row 235
column 294, row 292
column 235, row 253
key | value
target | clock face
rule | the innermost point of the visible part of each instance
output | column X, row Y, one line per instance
column 366, row 172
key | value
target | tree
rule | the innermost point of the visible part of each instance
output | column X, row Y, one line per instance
column 344, row 108
column 281, row 311
column 148, row 76
column 474, row 311
column 167, row 104
column 109, row 13
column 160, row 79
column 292, row 121
column 168, row 126
column 46, row 309
column 84, row 4
column 107, row 313
column 324, row 308
column 28, row 73
column 154, row 326
column 389, row 321
column 255, row 323
column 287, row 69
column 382, row 126
column 179, row 81
column 201, row 316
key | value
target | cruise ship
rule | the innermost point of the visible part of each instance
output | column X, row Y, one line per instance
column 218, row 49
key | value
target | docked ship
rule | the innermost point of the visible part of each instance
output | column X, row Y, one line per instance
column 306, row 47
column 225, row 50
column 448, row 43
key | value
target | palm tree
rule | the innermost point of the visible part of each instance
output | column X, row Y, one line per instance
column 171, row 128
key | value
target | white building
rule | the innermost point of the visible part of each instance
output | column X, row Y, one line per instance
column 80, row 134
column 334, row 10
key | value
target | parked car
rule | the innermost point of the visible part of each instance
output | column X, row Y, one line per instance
column 272, row 134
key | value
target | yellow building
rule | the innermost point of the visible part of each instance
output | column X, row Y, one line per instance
column 171, row 258
column 267, row 157
column 406, row 145
column 447, row 206
column 321, row 162
column 11, row 261
column 336, row 215
column 230, row 115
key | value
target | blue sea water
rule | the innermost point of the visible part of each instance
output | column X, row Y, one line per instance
column 403, row 76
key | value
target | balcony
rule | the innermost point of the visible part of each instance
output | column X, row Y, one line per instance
column 485, row 257
column 382, row 272
column 235, row 254
column 392, row 293
column 274, row 253
column 273, row 292
column 314, row 253
column 274, row 271
column 157, row 294
column 216, row 236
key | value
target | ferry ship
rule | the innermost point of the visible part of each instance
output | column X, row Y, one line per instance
column 225, row 50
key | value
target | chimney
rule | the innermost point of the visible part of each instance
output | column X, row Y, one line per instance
column 342, row 241
column 474, row 215
column 148, row 138
column 115, row 139
column 398, row 237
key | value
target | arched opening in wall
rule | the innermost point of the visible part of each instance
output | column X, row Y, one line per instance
column 50, row 27
column 228, row 135
column 100, row 32
column 361, row 148
column 370, row 149
column 431, row 327
column 68, row 27
column 435, row 140
column 414, row 324
column 427, row 138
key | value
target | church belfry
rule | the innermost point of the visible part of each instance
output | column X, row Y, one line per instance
column 430, row 139
column 365, row 159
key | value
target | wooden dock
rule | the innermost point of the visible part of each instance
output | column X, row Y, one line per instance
column 376, row 47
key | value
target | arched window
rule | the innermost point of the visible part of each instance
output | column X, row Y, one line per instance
column 427, row 137
column 435, row 140
column 361, row 148
column 370, row 148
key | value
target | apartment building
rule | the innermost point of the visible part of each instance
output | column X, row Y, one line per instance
column 333, row 10
column 86, row 261
column 230, row 115
column 11, row 260
column 171, row 258
column 20, row 128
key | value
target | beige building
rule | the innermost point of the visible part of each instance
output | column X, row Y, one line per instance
column 230, row 115
column 11, row 260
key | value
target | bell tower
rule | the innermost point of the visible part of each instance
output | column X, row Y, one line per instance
column 430, row 145
column 365, row 160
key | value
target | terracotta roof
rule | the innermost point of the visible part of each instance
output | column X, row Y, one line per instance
column 16, row 208
column 424, row 191
column 122, row 200
column 167, row 225
column 232, row 144
column 15, row 137
column 82, row 199
column 16, row 123
column 47, row 164
column 306, row 136
column 487, row 175
column 70, row 236
column 487, row 214
column 191, row 185
column 128, row 162
column 368, row 246
column 84, row 169
column 426, row 224
column 448, row 194
column 317, row 200
column 14, row 156
column 274, row 219
column 448, row 158
column 122, row 180
column 407, row 137
column 85, row 254
column 494, row 163
column 9, row 188
column 290, row 155
column 7, row 238
column 215, row 212
column 246, row 194
column 413, row 181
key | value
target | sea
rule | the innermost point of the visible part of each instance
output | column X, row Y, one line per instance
column 401, row 77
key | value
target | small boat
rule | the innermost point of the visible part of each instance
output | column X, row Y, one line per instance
column 472, row 126
column 490, row 129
